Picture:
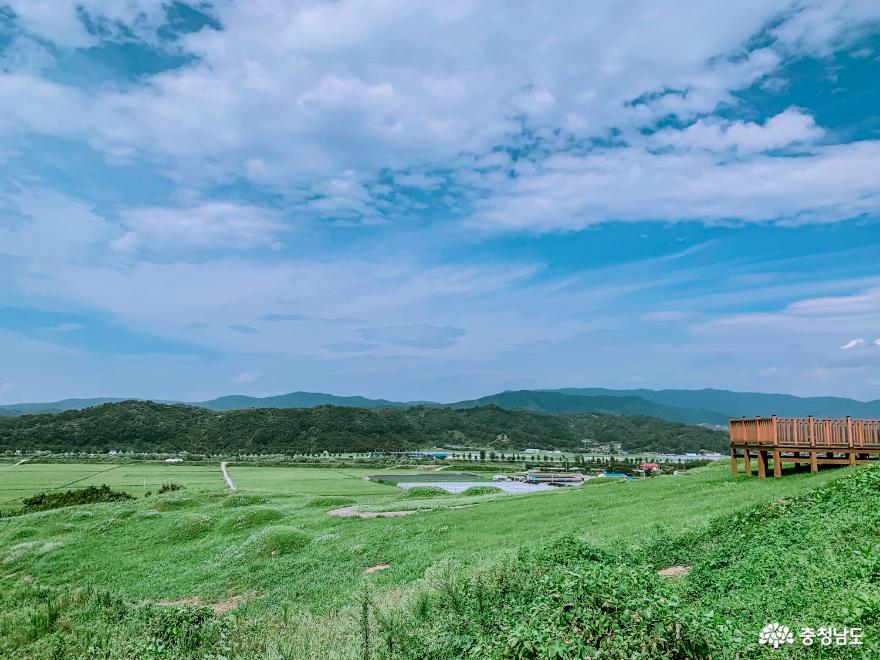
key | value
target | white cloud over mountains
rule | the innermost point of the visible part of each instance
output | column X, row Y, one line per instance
column 291, row 95
column 299, row 128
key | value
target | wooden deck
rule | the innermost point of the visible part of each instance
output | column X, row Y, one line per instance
column 802, row 441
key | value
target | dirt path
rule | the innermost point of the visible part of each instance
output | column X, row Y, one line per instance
column 226, row 477
column 352, row 512
column 24, row 460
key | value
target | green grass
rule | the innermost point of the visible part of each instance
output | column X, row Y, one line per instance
column 297, row 570
column 21, row 481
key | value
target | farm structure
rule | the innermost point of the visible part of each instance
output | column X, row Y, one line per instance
column 803, row 441
column 563, row 478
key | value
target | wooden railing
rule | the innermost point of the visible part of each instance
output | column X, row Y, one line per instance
column 805, row 432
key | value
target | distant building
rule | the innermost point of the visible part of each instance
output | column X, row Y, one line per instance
column 560, row 478
column 426, row 454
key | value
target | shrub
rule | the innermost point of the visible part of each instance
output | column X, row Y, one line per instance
column 190, row 527
column 88, row 495
column 239, row 499
column 183, row 631
column 277, row 540
column 482, row 490
column 251, row 517
column 570, row 600
column 425, row 491
column 175, row 502
column 169, row 488
column 330, row 502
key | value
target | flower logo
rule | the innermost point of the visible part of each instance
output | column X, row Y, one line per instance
column 775, row 635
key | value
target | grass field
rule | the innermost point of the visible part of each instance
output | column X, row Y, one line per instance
column 21, row 481
column 272, row 547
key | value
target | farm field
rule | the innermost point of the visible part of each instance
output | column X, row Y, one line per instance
column 21, row 481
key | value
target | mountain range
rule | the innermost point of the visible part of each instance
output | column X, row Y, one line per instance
column 708, row 406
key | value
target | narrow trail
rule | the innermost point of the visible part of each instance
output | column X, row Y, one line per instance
column 24, row 460
column 353, row 512
column 226, row 477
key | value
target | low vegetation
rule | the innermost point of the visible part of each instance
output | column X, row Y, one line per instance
column 88, row 495
column 482, row 490
column 560, row 573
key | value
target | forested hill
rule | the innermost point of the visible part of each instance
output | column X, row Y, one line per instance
column 144, row 426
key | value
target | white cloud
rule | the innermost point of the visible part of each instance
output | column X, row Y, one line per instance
column 787, row 128
column 67, row 327
column 284, row 93
column 60, row 21
column 208, row 226
column 247, row 377
column 853, row 343
column 570, row 192
column 49, row 225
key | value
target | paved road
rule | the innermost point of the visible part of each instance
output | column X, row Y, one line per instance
column 226, row 477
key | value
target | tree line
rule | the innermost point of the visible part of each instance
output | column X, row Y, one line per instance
column 145, row 426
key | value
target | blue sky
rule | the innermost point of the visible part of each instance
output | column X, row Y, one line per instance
column 437, row 200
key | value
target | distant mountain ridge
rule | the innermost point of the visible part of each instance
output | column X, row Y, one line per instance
column 557, row 402
column 708, row 406
column 295, row 400
column 744, row 404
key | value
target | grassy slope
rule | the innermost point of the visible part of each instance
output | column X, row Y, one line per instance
column 195, row 544
column 807, row 561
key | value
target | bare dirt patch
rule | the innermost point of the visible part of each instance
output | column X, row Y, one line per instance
column 352, row 512
column 218, row 608
column 377, row 567
column 675, row 571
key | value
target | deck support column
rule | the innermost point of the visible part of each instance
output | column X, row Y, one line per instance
column 814, row 462
column 733, row 467
column 747, row 461
column 762, row 463
column 777, row 464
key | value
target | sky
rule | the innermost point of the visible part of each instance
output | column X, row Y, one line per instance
column 438, row 200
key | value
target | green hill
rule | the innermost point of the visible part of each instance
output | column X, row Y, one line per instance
column 743, row 404
column 294, row 400
column 145, row 426
column 558, row 402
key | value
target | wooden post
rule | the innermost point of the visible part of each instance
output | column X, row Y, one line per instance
column 849, row 441
column 762, row 464
column 733, row 467
column 814, row 462
column 747, row 461
column 775, row 430
column 812, row 432
column 777, row 464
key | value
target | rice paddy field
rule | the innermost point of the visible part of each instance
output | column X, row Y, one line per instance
column 266, row 572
